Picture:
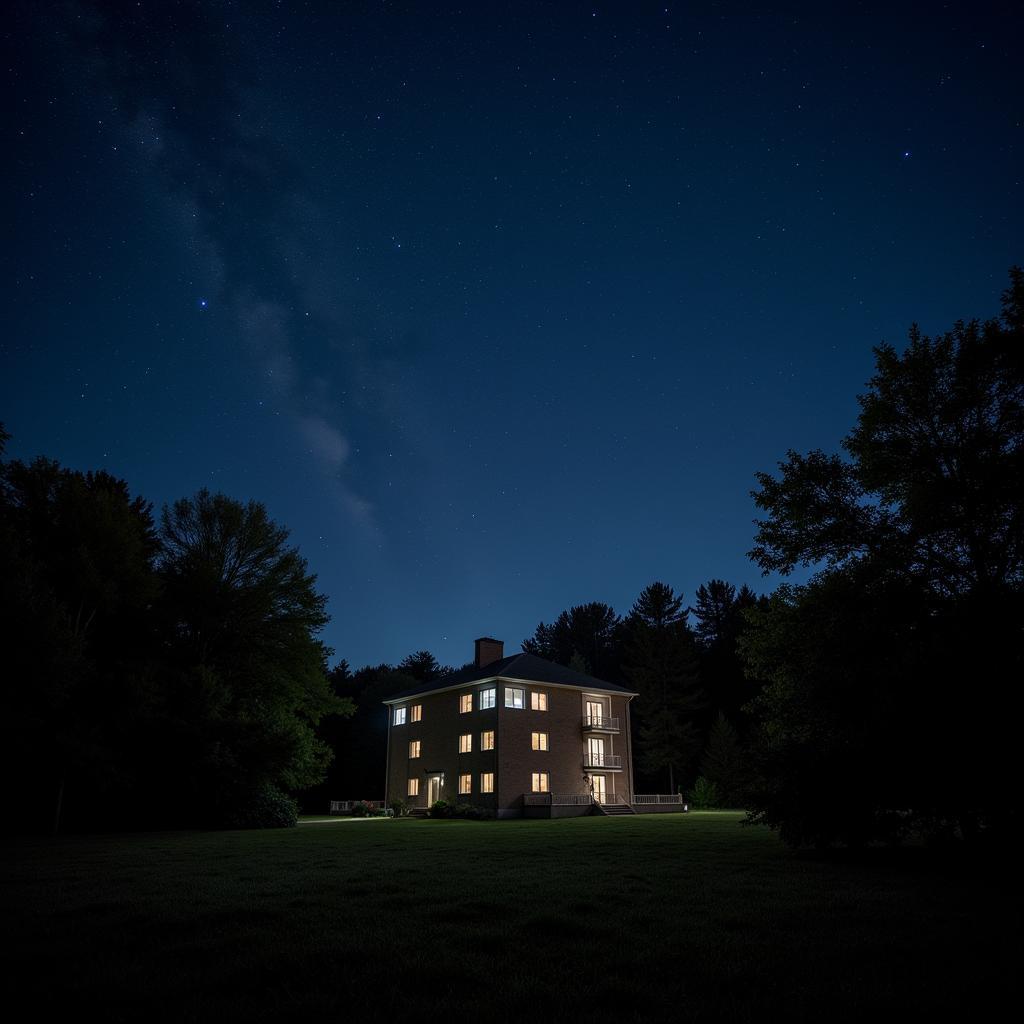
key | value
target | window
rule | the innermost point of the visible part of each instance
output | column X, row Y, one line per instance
column 466, row 703
column 538, row 701
column 487, row 782
column 414, row 748
column 513, row 697
column 540, row 782
column 466, row 743
column 487, row 740
column 487, row 699
column 414, row 787
column 417, row 712
column 399, row 716
column 540, row 740
column 465, row 784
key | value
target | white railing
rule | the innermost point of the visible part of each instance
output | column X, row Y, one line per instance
column 345, row 806
column 556, row 799
column 601, row 722
column 657, row 798
column 592, row 760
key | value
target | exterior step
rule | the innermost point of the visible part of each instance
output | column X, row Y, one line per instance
column 613, row 810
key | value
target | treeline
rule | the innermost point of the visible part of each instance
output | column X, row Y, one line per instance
column 157, row 673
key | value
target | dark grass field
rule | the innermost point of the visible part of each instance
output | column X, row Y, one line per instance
column 646, row 919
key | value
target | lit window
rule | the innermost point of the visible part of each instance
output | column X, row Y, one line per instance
column 487, row 699
column 417, row 712
column 487, row 740
column 414, row 748
column 538, row 701
column 466, row 743
column 414, row 787
column 540, row 740
column 465, row 783
column 513, row 697
column 466, row 703
column 540, row 782
column 487, row 782
column 399, row 716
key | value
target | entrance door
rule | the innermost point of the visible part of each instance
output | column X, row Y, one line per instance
column 433, row 790
column 600, row 793
column 595, row 712
column 595, row 751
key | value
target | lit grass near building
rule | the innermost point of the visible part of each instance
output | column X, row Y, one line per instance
column 646, row 918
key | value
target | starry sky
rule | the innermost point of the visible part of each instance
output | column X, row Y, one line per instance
column 499, row 306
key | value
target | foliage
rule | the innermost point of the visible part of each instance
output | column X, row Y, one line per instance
column 441, row 809
column 882, row 671
column 589, row 632
column 704, row 794
column 399, row 807
column 264, row 807
column 661, row 664
column 723, row 761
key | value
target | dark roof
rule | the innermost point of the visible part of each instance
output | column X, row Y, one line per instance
column 517, row 666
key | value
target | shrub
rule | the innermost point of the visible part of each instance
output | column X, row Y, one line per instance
column 360, row 810
column 263, row 807
column 704, row 794
column 399, row 807
column 440, row 809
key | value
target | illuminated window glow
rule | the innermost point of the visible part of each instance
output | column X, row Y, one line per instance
column 417, row 712
column 414, row 787
column 399, row 716
column 540, row 782
column 514, row 697
column 466, row 703
column 466, row 743
column 465, row 784
column 487, row 699
column 487, row 740
column 414, row 748
column 539, row 740
column 487, row 782
column 538, row 701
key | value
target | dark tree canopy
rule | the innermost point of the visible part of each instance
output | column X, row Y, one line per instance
column 884, row 671
column 589, row 631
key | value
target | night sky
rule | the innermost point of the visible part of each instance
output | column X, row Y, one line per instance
column 497, row 307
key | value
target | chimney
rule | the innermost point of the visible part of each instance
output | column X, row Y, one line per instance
column 488, row 650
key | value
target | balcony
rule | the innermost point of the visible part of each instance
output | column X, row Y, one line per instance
column 607, row 762
column 600, row 723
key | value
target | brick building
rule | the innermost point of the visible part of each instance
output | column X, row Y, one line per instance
column 515, row 735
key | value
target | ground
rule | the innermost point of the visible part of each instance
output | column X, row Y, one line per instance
column 608, row 919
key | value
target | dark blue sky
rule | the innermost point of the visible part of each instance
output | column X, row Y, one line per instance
column 498, row 307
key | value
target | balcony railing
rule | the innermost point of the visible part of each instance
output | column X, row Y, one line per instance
column 601, row 723
column 658, row 798
column 592, row 759
column 557, row 799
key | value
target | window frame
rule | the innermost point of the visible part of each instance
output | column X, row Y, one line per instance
column 416, row 713
column 484, row 745
column 463, row 698
column 465, row 743
column 512, row 690
column 466, row 780
column 538, row 700
column 492, row 692
column 414, row 745
column 487, row 782
column 540, row 782
column 395, row 720
column 413, row 789
column 540, row 741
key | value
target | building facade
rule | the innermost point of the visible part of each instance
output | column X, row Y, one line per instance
column 510, row 735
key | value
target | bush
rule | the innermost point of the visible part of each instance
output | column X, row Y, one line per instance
column 440, row 809
column 265, row 807
column 399, row 807
column 472, row 812
column 360, row 810
column 704, row 794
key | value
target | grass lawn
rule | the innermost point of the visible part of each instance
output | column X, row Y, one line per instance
column 608, row 919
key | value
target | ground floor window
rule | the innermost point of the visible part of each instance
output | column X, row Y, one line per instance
column 487, row 782
column 540, row 782
column 414, row 787
column 466, row 783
